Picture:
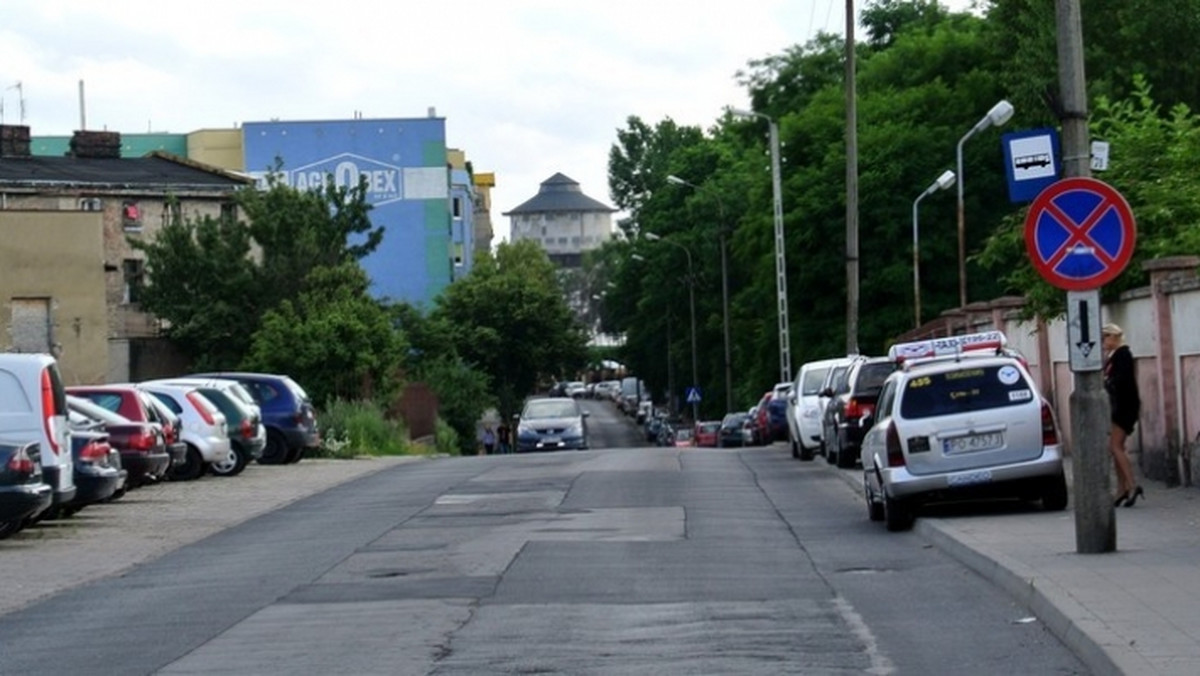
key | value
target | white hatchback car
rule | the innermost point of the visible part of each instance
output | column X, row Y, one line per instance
column 805, row 406
column 960, row 426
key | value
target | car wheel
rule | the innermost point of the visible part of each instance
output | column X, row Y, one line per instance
column 874, row 507
column 295, row 454
column 192, row 467
column 896, row 514
column 795, row 449
column 1054, row 494
column 234, row 464
column 11, row 526
column 276, row 451
column 806, row 453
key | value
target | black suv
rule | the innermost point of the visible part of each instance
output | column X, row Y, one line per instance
column 849, row 400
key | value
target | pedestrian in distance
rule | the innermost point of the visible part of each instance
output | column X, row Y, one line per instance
column 489, row 440
column 504, row 437
column 1120, row 380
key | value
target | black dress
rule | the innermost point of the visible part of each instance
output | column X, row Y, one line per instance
column 1120, row 379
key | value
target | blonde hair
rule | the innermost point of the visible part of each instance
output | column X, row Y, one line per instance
column 1111, row 329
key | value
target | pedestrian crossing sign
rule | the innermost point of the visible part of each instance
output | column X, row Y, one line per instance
column 693, row 395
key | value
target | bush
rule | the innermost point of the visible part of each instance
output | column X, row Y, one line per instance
column 352, row 428
column 445, row 439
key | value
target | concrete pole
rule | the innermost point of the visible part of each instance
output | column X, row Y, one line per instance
column 851, row 187
column 1095, row 522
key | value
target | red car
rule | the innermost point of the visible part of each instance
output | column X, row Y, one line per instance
column 704, row 433
column 137, row 433
column 760, row 423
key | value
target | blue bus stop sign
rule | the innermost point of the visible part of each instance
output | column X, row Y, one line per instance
column 1080, row 234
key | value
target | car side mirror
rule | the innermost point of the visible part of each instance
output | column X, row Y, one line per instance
column 827, row 392
column 868, row 419
column 586, row 414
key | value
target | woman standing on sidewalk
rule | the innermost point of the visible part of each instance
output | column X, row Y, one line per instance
column 1120, row 380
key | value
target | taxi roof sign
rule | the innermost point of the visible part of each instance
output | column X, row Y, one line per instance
column 949, row 345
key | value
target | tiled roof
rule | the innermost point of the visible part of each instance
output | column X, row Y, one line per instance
column 157, row 170
column 559, row 193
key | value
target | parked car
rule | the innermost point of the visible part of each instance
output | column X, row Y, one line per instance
column 734, row 430
column 203, row 429
column 135, row 430
column 23, row 493
column 172, row 426
column 98, row 472
column 805, row 406
column 287, row 413
column 705, row 433
column 681, row 437
column 760, row 426
column 33, row 407
column 847, row 415
column 777, row 405
column 247, row 434
column 576, row 388
column 958, row 427
column 552, row 424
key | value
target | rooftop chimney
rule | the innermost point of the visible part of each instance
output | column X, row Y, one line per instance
column 14, row 141
column 96, row 145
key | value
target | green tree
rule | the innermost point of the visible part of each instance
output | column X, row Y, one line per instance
column 1153, row 166
column 510, row 320
column 202, row 281
column 333, row 337
column 464, row 394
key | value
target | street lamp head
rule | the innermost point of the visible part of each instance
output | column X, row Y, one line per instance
column 637, row 257
column 651, row 236
column 1000, row 113
column 737, row 112
column 945, row 180
column 676, row 180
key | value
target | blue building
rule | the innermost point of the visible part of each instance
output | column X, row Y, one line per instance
column 424, row 207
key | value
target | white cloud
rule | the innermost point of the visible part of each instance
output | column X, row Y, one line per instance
column 528, row 87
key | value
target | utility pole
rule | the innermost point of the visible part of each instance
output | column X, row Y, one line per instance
column 851, row 187
column 1095, row 522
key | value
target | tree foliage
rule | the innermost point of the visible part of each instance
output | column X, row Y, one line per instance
column 510, row 320
column 333, row 337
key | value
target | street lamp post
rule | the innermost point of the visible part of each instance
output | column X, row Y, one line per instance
column 692, row 308
column 781, row 300
column 944, row 181
column 998, row 115
column 724, row 290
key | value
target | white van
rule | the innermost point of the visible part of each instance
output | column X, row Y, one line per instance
column 33, row 407
column 805, row 406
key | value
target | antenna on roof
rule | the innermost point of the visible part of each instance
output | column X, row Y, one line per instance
column 20, row 99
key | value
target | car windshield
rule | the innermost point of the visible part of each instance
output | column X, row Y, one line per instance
column 812, row 381
column 964, row 390
column 709, row 427
column 550, row 408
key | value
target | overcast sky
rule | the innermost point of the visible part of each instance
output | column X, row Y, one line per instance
column 528, row 87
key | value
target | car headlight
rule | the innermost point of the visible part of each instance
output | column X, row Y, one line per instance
column 573, row 430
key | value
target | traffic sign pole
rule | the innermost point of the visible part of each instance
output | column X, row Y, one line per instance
column 1095, row 522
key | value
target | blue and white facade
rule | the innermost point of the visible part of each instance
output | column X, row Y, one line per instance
column 408, row 187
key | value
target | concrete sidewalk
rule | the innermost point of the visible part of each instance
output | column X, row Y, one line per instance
column 1133, row 611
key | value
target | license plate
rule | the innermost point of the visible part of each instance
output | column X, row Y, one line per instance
column 982, row 476
column 973, row 442
column 551, row 441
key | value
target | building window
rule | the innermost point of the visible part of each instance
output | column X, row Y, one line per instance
column 172, row 213
column 456, row 204
column 131, row 215
column 134, row 278
column 543, row 231
column 228, row 212
column 91, row 204
column 458, row 254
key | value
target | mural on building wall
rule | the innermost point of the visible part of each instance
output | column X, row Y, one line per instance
column 404, row 164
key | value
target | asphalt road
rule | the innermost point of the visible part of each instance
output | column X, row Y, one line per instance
column 630, row 560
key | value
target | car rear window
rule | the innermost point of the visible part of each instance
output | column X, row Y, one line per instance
column 964, row 390
column 871, row 376
column 549, row 408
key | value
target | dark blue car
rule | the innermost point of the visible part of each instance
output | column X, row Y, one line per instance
column 287, row 413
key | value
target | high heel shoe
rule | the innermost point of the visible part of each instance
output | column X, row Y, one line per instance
column 1121, row 499
column 1134, row 495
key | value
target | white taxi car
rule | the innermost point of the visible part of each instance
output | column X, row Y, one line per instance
column 961, row 419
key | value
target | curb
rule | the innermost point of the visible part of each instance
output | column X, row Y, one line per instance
column 1079, row 629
